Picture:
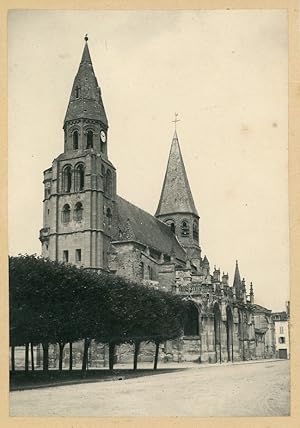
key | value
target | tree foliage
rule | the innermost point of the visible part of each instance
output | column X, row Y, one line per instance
column 52, row 302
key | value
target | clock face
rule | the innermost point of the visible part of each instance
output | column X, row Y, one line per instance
column 103, row 136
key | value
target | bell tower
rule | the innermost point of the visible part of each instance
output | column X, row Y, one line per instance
column 80, row 187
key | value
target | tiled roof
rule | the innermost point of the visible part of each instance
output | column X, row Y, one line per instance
column 176, row 195
column 259, row 308
column 280, row 316
column 85, row 99
column 138, row 225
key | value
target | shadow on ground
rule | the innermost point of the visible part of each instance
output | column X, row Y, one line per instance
column 20, row 380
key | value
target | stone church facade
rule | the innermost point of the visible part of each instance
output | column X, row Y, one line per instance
column 86, row 223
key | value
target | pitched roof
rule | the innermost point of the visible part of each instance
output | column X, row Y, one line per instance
column 280, row 316
column 259, row 308
column 176, row 195
column 138, row 225
column 85, row 99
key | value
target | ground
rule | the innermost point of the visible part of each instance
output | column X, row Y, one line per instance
column 247, row 389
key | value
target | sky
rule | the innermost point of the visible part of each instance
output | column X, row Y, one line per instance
column 223, row 72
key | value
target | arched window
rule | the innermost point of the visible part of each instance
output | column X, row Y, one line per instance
column 79, row 177
column 109, row 216
column 195, row 231
column 75, row 140
column 185, row 230
column 66, row 213
column 67, row 179
column 89, row 140
column 191, row 325
column 78, row 211
column 108, row 183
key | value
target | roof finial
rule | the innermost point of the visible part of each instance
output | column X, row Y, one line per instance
column 86, row 38
column 176, row 120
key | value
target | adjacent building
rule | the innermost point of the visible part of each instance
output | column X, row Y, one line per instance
column 282, row 333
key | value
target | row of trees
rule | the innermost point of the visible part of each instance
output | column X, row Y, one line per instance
column 51, row 302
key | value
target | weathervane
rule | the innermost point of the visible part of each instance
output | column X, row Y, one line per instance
column 176, row 120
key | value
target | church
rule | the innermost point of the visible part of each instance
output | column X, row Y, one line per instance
column 86, row 223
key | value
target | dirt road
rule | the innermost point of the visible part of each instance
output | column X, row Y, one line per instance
column 259, row 389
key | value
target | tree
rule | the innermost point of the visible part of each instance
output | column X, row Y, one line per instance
column 43, row 302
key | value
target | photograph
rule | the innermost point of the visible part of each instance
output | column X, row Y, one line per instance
column 148, row 213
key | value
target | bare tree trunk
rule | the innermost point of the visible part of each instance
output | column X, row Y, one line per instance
column 13, row 367
column 45, row 357
column 156, row 355
column 61, row 351
column 87, row 343
column 136, row 354
column 32, row 356
column 111, row 357
column 70, row 356
column 26, row 357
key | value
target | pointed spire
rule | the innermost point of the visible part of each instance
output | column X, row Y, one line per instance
column 237, row 283
column 251, row 288
column 176, row 195
column 206, row 262
column 251, row 294
column 86, row 57
column 85, row 99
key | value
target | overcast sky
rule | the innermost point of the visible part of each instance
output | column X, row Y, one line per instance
column 224, row 72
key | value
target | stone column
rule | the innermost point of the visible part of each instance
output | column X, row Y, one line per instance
column 210, row 339
column 235, row 336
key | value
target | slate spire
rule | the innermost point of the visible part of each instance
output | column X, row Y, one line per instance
column 176, row 195
column 237, row 283
column 85, row 100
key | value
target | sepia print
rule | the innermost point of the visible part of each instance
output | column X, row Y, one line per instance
column 148, row 213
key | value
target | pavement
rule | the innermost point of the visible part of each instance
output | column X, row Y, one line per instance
column 252, row 388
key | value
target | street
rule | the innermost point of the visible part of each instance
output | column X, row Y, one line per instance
column 247, row 389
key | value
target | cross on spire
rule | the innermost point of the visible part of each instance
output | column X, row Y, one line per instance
column 176, row 120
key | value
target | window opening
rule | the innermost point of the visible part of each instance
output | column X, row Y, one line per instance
column 90, row 136
column 185, row 231
column 66, row 213
column 78, row 211
column 67, row 179
column 75, row 140
column 79, row 177
column 78, row 255
column 66, row 256
column 77, row 91
column 195, row 231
